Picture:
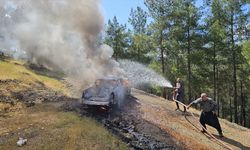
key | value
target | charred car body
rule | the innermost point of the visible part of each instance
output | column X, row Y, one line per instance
column 108, row 92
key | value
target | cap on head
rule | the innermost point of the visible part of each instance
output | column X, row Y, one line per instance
column 203, row 95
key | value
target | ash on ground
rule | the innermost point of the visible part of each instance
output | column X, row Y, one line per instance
column 127, row 125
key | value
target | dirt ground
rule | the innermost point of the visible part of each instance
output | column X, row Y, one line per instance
column 146, row 122
column 38, row 107
column 184, row 128
column 48, row 126
column 160, row 125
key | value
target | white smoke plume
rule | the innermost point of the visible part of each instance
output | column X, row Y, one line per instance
column 59, row 34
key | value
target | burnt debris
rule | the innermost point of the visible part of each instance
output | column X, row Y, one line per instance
column 127, row 131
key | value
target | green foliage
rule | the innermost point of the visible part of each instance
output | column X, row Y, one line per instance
column 202, row 46
column 246, row 51
column 155, row 66
column 139, row 45
column 138, row 19
column 117, row 37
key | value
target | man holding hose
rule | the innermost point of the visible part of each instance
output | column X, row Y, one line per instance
column 208, row 114
column 179, row 93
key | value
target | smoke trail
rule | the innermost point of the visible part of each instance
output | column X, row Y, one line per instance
column 58, row 34
column 62, row 35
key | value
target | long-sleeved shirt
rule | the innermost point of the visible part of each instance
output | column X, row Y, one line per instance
column 179, row 87
column 207, row 105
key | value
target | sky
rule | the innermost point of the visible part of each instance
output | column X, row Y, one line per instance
column 121, row 9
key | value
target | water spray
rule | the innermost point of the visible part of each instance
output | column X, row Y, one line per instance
column 139, row 74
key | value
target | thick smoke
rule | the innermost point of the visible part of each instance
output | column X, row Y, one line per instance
column 61, row 35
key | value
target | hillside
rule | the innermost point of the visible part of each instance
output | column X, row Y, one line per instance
column 37, row 104
column 185, row 129
column 30, row 100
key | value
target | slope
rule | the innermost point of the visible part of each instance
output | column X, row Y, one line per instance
column 184, row 128
column 30, row 100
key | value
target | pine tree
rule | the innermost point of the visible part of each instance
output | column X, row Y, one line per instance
column 138, row 20
column 235, row 22
column 117, row 37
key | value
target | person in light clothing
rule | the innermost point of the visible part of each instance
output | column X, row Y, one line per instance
column 179, row 93
column 208, row 114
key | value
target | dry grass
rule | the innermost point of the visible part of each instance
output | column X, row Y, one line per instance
column 44, row 125
column 16, row 70
column 186, row 130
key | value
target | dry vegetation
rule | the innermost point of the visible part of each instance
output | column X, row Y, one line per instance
column 186, row 130
column 19, row 71
column 45, row 125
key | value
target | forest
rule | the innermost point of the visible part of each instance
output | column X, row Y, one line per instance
column 207, row 46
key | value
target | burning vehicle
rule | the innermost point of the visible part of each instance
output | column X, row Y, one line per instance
column 106, row 92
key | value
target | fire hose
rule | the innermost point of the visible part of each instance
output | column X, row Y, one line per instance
column 211, row 135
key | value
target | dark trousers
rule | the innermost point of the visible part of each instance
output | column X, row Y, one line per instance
column 210, row 119
column 177, row 105
column 180, row 98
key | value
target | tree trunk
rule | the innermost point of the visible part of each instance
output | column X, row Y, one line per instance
column 162, row 62
column 116, row 49
column 248, row 121
column 241, row 97
column 162, row 53
column 230, row 108
column 217, row 89
column 138, row 48
column 218, row 111
column 215, row 77
column 188, row 58
column 234, row 68
column 222, row 108
column 244, row 111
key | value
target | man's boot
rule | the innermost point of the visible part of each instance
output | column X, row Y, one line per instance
column 221, row 134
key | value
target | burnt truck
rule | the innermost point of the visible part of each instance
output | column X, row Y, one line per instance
column 106, row 92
